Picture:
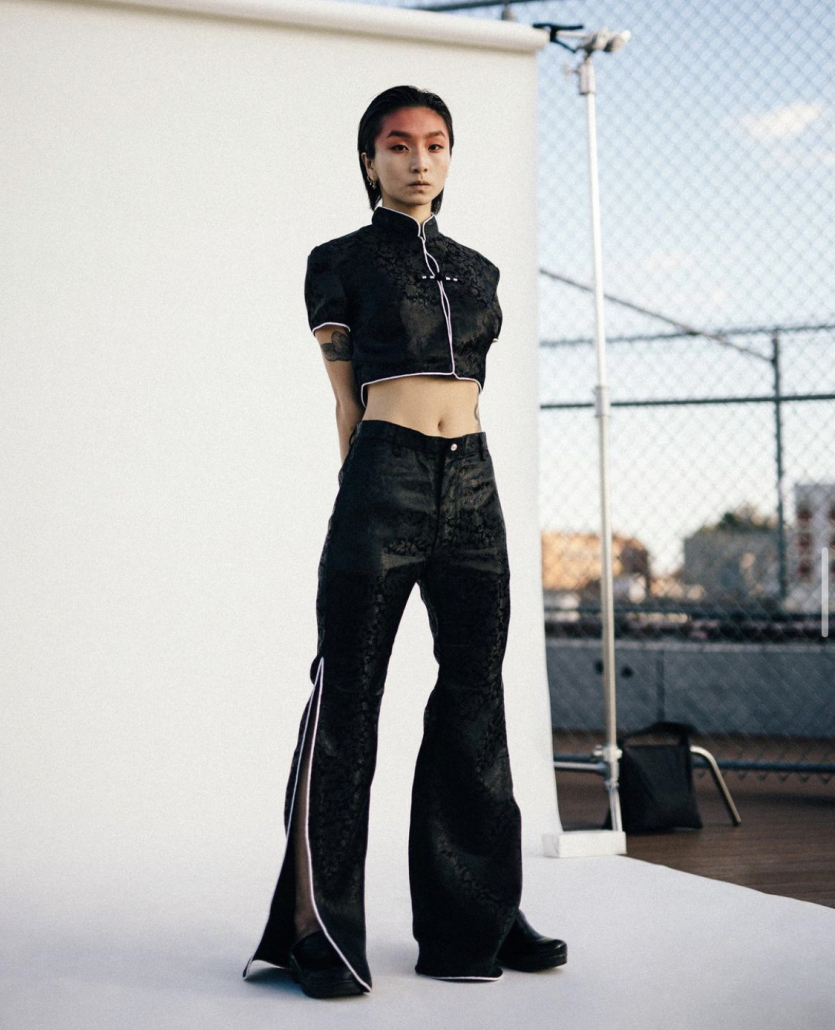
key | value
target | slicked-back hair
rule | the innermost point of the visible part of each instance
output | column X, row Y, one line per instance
column 371, row 123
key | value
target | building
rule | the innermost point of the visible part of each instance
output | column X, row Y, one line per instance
column 733, row 566
column 571, row 566
column 811, row 545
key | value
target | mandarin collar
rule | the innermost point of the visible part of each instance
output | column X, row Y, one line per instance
column 389, row 220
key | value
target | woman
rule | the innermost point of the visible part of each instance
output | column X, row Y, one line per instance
column 404, row 316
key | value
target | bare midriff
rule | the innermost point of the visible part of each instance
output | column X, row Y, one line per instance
column 435, row 405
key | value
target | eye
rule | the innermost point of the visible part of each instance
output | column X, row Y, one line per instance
column 396, row 145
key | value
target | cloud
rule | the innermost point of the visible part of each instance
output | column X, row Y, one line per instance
column 780, row 123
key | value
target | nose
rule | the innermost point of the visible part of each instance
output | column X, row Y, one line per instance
column 420, row 161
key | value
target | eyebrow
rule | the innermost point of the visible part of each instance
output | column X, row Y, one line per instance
column 408, row 135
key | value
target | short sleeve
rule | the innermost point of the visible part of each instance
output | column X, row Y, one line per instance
column 496, row 308
column 323, row 293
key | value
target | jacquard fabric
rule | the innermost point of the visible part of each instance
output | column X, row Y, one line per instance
column 415, row 301
column 323, row 294
column 410, row 509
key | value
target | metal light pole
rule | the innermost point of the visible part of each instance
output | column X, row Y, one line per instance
column 610, row 753
column 607, row 41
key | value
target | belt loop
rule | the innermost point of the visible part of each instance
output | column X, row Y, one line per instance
column 481, row 447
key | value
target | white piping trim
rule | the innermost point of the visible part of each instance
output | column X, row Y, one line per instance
column 320, row 677
column 448, row 316
column 273, row 964
column 321, row 324
column 290, row 819
column 406, row 375
column 445, row 307
column 444, row 299
column 419, row 225
column 490, row 978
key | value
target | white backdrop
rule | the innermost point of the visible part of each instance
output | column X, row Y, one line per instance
column 169, row 451
column 169, row 463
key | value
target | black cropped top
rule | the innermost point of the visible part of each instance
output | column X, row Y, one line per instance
column 415, row 301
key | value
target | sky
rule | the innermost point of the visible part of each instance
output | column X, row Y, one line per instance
column 716, row 140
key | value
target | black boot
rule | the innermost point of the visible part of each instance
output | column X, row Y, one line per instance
column 319, row 970
column 529, row 951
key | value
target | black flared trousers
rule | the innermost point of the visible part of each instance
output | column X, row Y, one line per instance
column 411, row 508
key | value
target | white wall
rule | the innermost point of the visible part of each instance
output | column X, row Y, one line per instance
column 168, row 448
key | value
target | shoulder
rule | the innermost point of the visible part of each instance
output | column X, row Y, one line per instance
column 339, row 247
column 474, row 259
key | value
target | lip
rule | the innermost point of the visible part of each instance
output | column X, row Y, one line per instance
column 419, row 184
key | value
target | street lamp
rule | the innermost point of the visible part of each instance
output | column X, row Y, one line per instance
column 607, row 41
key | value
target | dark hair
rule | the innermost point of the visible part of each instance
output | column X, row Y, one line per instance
column 371, row 123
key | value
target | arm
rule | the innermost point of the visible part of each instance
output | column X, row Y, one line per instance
column 336, row 348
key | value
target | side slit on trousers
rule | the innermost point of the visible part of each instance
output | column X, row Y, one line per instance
column 411, row 508
column 304, row 772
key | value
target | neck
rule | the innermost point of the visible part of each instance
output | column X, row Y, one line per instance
column 419, row 213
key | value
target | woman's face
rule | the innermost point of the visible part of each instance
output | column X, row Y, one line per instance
column 412, row 148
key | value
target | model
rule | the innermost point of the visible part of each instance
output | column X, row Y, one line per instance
column 405, row 316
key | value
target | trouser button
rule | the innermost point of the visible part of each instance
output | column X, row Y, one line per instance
column 453, row 447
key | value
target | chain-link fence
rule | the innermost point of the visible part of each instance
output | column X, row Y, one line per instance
column 716, row 140
column 717, row 148
column 718, row 623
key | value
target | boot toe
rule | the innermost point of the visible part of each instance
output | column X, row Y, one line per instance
column 527, row 950
column 319, row 970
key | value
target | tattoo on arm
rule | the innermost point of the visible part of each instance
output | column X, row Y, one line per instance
column 339, row 348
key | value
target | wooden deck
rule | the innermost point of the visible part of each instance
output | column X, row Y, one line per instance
column 785, row 844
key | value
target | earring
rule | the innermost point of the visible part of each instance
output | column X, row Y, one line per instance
column 372, row 182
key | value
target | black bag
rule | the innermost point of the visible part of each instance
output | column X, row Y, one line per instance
column 656, row 782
